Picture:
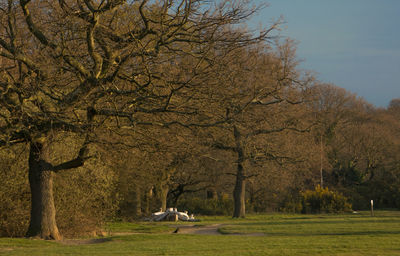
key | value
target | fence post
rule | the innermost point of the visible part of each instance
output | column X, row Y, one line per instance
column 372, row 208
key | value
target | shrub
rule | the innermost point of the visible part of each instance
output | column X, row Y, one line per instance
column 222, row 206
column 84, row 199
column 322, row 200
column 292, row 204
column 14, row 192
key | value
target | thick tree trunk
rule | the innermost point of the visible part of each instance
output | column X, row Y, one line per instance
column 239, row 192
column 164, row 189
column 164, row 195
column 149, row 196
column 43, row 213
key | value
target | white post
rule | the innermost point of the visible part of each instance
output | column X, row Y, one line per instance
column 372, row 207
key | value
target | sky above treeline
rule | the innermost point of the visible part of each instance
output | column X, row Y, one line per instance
column 354, row 44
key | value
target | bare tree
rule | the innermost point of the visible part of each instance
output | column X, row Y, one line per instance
column 88, row 66
column 261, row 94
column 333, row 108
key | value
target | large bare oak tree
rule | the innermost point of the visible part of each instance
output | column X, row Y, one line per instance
column 88, row 66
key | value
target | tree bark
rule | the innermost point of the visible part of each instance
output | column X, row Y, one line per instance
column 149, row 196
column 164, row 189
column 239, row 191
column 164, row 195
column 43, row 213
column 239, row 194
column 138, row 201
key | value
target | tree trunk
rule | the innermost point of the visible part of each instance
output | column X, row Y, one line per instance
column 239, row 191
column 321, row 162
column 212, row 193
column 149, row 196
column 43, row 213
column 138, row 201
column 164, row 189
column 164, row 194
column 239, row 194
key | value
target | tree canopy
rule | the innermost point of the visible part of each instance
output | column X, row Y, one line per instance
column 166, row 101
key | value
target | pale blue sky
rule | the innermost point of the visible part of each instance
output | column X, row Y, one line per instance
column 354, row 44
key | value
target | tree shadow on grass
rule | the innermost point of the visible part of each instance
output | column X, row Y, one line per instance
column 85, row 241
column 312, row 222
column 355, row 233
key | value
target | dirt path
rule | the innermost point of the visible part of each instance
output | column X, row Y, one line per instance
column 193, row 229
column 200, row 230
column 210, row 230
column 190, row 229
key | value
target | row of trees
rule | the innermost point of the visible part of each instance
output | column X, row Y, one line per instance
column 154, row 103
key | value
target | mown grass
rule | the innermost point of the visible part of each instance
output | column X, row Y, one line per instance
column 138, row 227
column 274, row 234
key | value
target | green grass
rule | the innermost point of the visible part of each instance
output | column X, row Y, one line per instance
column 272, row 234
column 139, row 227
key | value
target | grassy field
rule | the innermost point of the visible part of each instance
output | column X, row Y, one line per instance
column 275, row 234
